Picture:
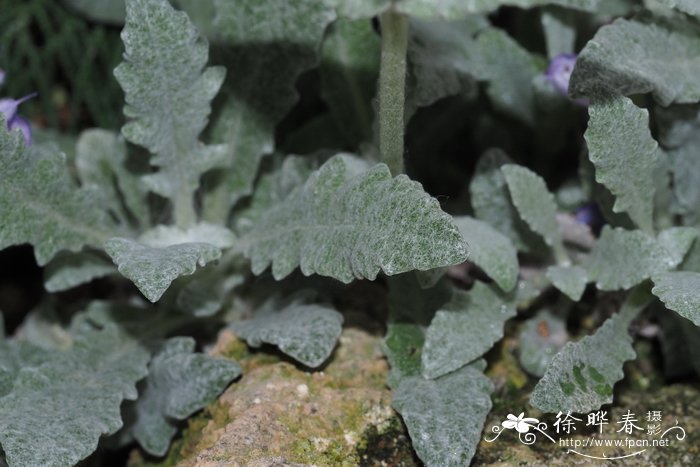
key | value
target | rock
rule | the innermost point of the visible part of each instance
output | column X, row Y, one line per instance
column 279, row 414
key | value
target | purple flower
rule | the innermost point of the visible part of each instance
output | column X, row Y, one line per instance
column 8, row 107
column 559, row 72
column 590, row 215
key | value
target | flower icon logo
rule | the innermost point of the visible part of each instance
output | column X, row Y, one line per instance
column 522, row 425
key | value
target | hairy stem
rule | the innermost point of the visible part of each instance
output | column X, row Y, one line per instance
column 183, row 207
column 392, row 89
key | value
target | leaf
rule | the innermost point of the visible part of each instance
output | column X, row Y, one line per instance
column 622, row 258
column 438, row 63
column 307, row 333
column 168, row 92
column 580, row 378
column 56, row 412
column 411, row 309
column 268, row 47
column 559, row 31
column 464, row 329
column 677, row 241
column 509, row 70
column 70, row 270
column 206, row 293
column 690, row 7
column 179, row 383
column 570, row 280
column 40, row 204
column 163, row 236
column 625, row 155
column 347, row 226
column 491, row 200
column 541, row 337
column 632, row 57
column 535, row 204
column 490, row 250
column 101, row 161
column 445, row 416
column 679, row 291
column 349, row 72
column 153, row 269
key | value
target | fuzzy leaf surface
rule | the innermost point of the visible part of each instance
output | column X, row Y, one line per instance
column 179, row 383
column 540, row 339
column 491, row 251
column 625, row 155
column 570, row 280
column 680, row 291
column 464, row 329
column 445, row 416
column 346, row 225
column 41, row 205
column 152, row 269
column 534, row 203
column 168, row 92
column 71, row 270
column 580, row 378
column 633, row 57
column 307, row 333
column 56, row 412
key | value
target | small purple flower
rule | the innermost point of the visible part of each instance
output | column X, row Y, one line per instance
column 8, row 107
column 590, row 215
column 559, row 72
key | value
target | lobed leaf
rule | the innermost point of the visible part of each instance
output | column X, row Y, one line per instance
column 625, row 156
column 570, row 280
column 152, row 269
column 179, row 383
column 491, row 251
column 634, row 57
column 307, row 333
column 680, row 291
column 41, row 205
column 56, row 412
column 464, row 329
column 445, row 416
column 347, row 226
column 580, row 378
column 168, row 92
column 67, row 271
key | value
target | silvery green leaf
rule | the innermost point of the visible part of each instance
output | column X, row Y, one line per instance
column 690, row 7
column 541, row 337
column 465, row 329
column 490, row 250
column 207, row 291
column 580, row 378
column 411, row 309
column 570, row 280
column 622, row 258
column 559, row 31
column 349, row 72
column 680, row 291
column 101, row 162
column 491, row 200
column 163, row 236
column 152, row 269
column 633, row 57
column 15, row 355
column 56, row 412
column 69, row 270
column 535, row 204
column 346, row 225
column 168, row 92
column 625, row 156
column 438, row 61
column 41, row 205
column 267, row 48
column 179, row 383
column 445, row 416
column 677, row 241
column 509, row 70
column 307, row 333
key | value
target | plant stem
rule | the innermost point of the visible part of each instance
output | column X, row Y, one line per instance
column 184, row 212
column 392, row 89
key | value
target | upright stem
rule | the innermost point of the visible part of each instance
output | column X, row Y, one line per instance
column 392, row 89
column 184, row 212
